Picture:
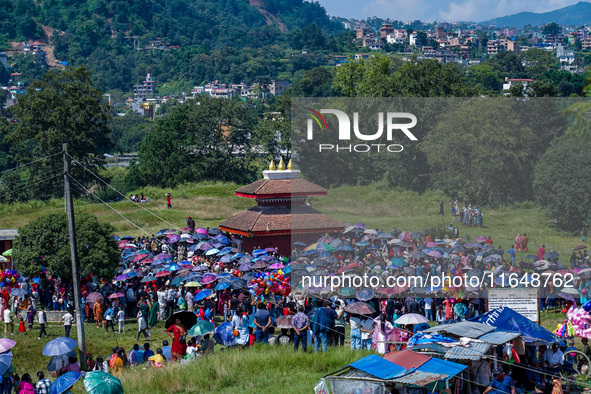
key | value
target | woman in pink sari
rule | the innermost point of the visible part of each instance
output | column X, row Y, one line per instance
column 382, row 334
column 518, row 243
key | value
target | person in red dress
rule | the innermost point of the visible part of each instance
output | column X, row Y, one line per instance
column 179, row 345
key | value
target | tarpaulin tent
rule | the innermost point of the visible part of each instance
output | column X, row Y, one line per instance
column 506, row 319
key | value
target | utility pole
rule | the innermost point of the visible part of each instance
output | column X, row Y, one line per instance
column 75, row 264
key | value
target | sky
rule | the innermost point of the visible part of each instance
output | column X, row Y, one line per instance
column 438, row 10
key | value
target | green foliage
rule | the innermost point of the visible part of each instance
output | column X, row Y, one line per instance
column 314, row 83
column 562, row 183
column 204, row 139
column 552, row 29
column 128, row 132
column 30, row 67
column 64, row 107
column 44, row 242
column 480, row 155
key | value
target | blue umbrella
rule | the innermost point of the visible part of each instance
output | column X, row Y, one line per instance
column 194, row 247
column 299, row 244
column 226, row 259
column 222, row 239
column 245, row 259
column 18, row 292
column 365, row 294
column 199, row 236
column 173, row 267
column 191, row 276
column 203, row 294
column 399, row 261
column 211, row 252
column 237, row 256
column 58, row 362
column 223, row 285
column 346, row 248
column 5, row 361
column 245, row 267
column 59, row 346
column 223, row 334
column 64, row 382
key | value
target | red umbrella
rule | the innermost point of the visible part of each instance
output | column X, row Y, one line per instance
column 162, row 273
column 116, row 295
column 359, row 308
column 147, row 261
column 580, row 247
column 140, row 257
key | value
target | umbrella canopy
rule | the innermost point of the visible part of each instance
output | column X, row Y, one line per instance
column 570, row 290
column 7, row 253
column 116, row 295
column 59, row 346
column 579, row 247
column 208, row 278
column 276, row 266
column 162, row 273
column 399, row 262
column 58, row 362
column 284, row 321
column 480, row 239
column 359, row 308
column 411, row 318
column 92, row 297
column 365, row 294
column 347, row 292
column 223, row 285
column 223, row 334
column 18, row 292
column 201, row 328
column 188, row 319
column 6, row 344
column 416, row 235
column 203, row 294
column 193, row 284
column 5, row 361
column 550, row 255
column 64, row 382
column 99, row 382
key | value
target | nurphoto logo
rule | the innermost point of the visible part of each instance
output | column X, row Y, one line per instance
column 393, row 126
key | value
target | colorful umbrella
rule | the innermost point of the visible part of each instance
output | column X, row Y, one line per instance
column 276, row 266
column 5, row 361
column 359, row 308
column 99, row 382
column 365, row 294
column 59, row 346
column 201, row 230
column 6, row 344
column 208, row 278
column 193, row 284
column 223, row 285
column 203, row 294
column 347, row 292
column 223, row 334
column 201, row 328
column 162, row 273
column 93, row 297
column 116, row 295
column 64, row 382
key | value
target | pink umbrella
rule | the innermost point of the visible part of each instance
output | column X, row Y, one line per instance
column 431, row 244
column 162, row 273
column 140, row 256
column 116, row 295
column 162, row 256
column 276, row 266
column 202, row 231
column 6, row 344
column 147, row 261
column 208, row 278
column 481, row 239
column 186, row 229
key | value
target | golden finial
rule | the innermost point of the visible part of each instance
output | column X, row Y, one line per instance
column 272, row 165
column 281, row 165
column 289, row 165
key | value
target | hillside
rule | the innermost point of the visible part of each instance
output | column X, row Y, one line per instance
column 575, row 15
column 194, row 41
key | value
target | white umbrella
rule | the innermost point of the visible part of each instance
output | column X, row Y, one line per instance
column 370, row 231
column 411, row 318
column 570, row 290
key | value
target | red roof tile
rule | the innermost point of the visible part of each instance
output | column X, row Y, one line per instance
column 282, row 219
column 283, row 187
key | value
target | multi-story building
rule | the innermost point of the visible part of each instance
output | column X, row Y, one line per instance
column 145, row 89
column 278, row 87
column 362, row 32
column 373, row 43
column 387, row 28
column 495, row 47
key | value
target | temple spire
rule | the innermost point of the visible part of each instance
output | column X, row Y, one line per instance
column 289, row 165
column 272, row 165
column 281, row 165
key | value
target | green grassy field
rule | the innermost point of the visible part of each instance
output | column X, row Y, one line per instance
column 375, row 205
column 261, row 368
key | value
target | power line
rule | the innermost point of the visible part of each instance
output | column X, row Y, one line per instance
column 30, row 184
column 107, row 204
column 32, row 162
column 127, row 198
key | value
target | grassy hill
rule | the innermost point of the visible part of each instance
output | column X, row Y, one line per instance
column 376, row 206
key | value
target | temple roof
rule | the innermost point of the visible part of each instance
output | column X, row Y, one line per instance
column 280, row 220
column 268, row 188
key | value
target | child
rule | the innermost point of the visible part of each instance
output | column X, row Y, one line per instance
column 157, row 360
column 191, row 350
column 54, row 298
column 21, row 326
column 121, row 320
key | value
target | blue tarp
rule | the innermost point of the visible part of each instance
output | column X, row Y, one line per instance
column 507, row 319
column 378, row 367
column 436, row 365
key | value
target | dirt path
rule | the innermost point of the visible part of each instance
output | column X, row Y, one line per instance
column 269, row 18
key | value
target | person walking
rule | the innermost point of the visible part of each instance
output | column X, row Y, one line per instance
column 121, row 320
column 168, row 201
column 141, row 327
column 42, row 318
column 68, row 319
column 109, row 314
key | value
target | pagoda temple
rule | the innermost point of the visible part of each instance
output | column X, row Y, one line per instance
column 281, row 216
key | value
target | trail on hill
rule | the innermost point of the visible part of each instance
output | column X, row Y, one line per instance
column 270, row 18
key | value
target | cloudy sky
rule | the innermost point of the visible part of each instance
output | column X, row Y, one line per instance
column 438, row 10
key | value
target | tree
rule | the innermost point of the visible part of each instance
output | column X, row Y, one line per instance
column 63, row 107
column 551, row 29
column 203, row 139
column 562, row 184
column 479, row 154
column 44, row 244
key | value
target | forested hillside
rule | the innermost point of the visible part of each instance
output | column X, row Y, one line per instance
column 179, row 41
